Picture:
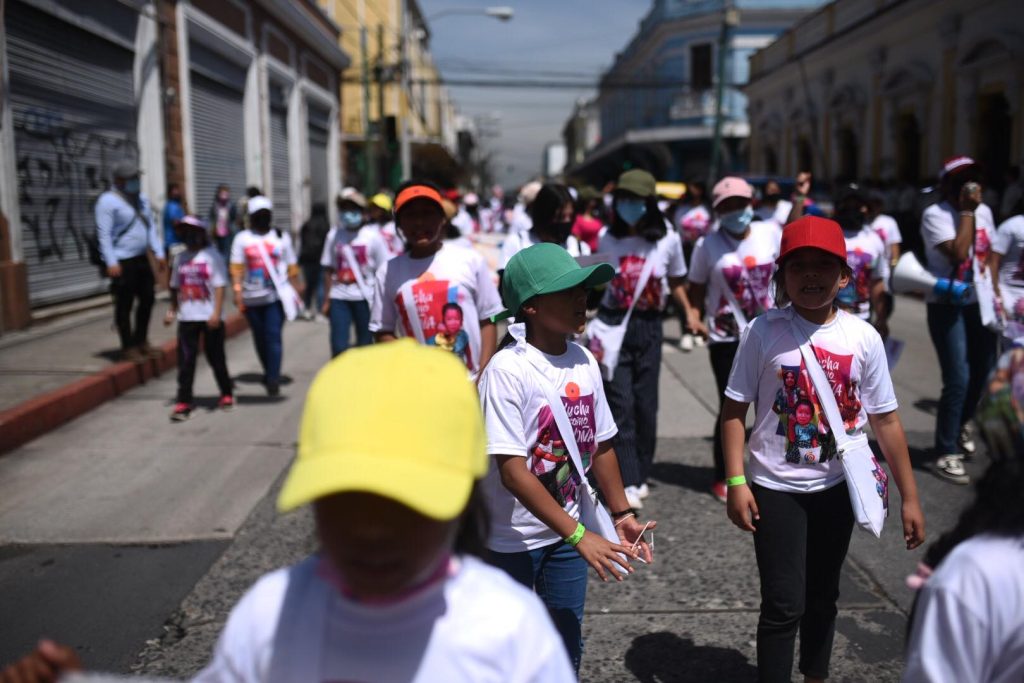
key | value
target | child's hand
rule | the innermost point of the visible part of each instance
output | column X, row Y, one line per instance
column 913, row 523
column 742, row 508
column 630, row 530
column 48, row 662
column 214, row 322
column 326, row 308
column 604, row 556
column 238, row 302
column 169, row 317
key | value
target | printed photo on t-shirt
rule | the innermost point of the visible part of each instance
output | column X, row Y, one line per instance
column 750, row 284
column 623, row 285
column 452, row 337
column 802, row 421
column 858, row 290
column 440, row 312
column 549, row 457
column 256, row 273
column 194, row 282
column 344, row 270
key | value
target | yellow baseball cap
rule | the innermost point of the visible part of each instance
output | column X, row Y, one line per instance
column 381, row 201
column 400, row 420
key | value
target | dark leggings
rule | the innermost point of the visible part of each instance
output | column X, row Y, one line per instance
column 722, row 355
column 188, row 352
column 800, row 544
column 135, row 282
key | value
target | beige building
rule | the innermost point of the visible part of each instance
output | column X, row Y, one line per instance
column 887, row 89
column 383, row 105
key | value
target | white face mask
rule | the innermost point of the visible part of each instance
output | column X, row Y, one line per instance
column 736, row 222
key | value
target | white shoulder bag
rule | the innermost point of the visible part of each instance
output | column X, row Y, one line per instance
column 290, row 299
column 866, row 481
column 604, row 339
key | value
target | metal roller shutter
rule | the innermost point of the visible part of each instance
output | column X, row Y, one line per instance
column 218, row 136
column 318, row 127
column 279, row 167
column 72, row 102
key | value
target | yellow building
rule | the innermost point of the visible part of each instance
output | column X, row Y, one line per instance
column 387, row 105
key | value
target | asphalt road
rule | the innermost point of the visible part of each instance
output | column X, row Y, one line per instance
column 130, row 538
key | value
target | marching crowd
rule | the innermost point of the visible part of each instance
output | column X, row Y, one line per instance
column 478, row 521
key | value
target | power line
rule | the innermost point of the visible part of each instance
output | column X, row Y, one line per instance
column 549, row 84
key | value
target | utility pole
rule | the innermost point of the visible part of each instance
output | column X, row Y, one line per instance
column 730, row 17
column 380, row 108
column 406, row 67
column 369, row 157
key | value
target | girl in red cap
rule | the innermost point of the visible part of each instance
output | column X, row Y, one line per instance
column 797, row 503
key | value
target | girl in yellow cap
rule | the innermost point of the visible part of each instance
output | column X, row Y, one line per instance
column 395, row 592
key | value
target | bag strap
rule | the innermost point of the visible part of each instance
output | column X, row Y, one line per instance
column 409, row 302
column 350, row 256
column 645, row 275
column 730, row 297
column 275, row 276
column 822, row 387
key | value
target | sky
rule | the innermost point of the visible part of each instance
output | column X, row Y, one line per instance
column 572, row 40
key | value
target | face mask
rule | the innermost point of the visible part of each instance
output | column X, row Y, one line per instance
column 351, row 219
column 560, row 231
column 223, row 196
column 736, row 222
column 850, row 220
column 132, row 186
column 194, row 239
column 631, row 210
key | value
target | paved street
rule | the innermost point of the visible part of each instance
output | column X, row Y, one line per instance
column 130, row 537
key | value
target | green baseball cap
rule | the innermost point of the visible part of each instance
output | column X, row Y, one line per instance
column 545, row 269
column 637, row 181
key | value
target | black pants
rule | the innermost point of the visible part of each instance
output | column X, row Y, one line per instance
column 722, row 356
column 135, row 282
column 800, row 543
column 188, row 350
column 633, row 397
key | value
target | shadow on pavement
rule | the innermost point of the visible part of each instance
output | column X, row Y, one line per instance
column 927, row 405
column 257, row 378
column 664, row 657
column 686, row 476
column 243, row 399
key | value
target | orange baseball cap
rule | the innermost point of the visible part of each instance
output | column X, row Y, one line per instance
column 418, row 192
column 815, row 232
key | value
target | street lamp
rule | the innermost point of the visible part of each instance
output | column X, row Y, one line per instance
column 501, row 13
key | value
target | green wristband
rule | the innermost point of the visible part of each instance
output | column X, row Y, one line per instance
column 738, row 480
column 577, row 535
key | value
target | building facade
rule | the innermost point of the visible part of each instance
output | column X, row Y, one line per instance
column 197, row 92
column 657, row 103
column 886, row 90
column 399, row 117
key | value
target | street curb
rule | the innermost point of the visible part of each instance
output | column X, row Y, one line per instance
column 45, row 412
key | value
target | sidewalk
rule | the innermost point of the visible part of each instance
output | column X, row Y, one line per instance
column 56, row 371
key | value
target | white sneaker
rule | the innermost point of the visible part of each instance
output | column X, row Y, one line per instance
column 951, row 468
column 643, row 491
column 967, row 439
column 633, row 497
column 686, row 343
column 700, row 341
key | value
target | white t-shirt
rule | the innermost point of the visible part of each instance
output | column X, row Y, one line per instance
column 745, row 267
column 477, row 625
column 370, row 252
column 454, row 275
column 969, row 619
column 515, row 243
column 392, row 240
column 888, row 230
column 868, row 258
column 196, row 276
column 257, row 285
column 628, row 255
column 792, row 447
column 938, row 224
column 1009, row 243
column 692, row 222
column 519, row 422
column 778, row 214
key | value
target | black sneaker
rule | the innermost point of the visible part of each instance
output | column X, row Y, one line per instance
column 273, row 388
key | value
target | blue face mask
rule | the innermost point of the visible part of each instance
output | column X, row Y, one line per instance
column 631, row 210
column 351, row 219
column 736, row 222
column 132, row 186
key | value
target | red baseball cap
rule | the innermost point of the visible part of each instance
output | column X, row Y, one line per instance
column 813, row 231
column 418, row 192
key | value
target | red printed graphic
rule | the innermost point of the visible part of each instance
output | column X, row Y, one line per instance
column 439, row 306
column 343, row 269
column 194, row 282
column 624, row 283
column 549, row 458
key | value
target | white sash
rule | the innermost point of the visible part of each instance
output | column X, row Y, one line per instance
column 866, row 481
column 290, row 299
column 353, row 262
column 411, row 313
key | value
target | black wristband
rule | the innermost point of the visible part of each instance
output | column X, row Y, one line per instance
column 622, row 513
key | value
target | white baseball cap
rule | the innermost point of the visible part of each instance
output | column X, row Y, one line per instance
column 258, row 203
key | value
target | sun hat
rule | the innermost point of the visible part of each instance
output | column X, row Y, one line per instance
column 190, row 221
column 381, row 201
column 638, row 181
column 544, row 269
column 258, row 203
column 125, row 169
column 366, row 427
column 351, row 194
column 418, row 192
column 813, row 231
column 730, row 186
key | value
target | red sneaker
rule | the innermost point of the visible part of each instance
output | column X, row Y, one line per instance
column 720, row 491
column 226, row 403
column 181, row 412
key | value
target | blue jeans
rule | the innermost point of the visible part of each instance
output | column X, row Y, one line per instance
column 266, row 322
column 312, row 274
column 559, row 575
column 967, row 354
column 343, row 315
